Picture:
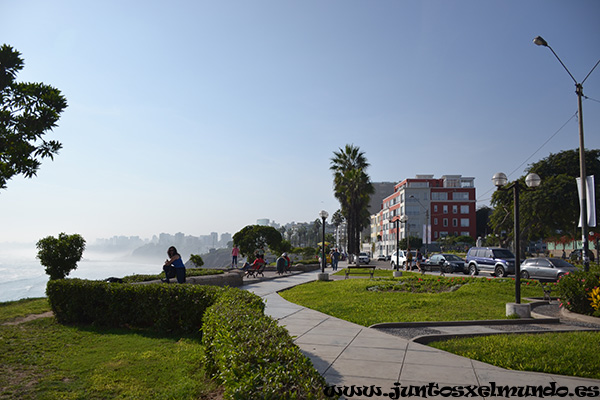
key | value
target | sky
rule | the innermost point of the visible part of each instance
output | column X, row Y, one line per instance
column 204, row 116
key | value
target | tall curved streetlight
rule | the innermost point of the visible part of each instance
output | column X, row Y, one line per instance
column 323, row 214
column 391, row 222
column 500, row 181
column 582, row 174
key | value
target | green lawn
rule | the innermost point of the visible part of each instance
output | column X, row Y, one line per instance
column 351, row 299
column 41, row 359
column 426, row 298
column 565, row 353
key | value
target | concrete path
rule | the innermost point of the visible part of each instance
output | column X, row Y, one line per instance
column 347, row 354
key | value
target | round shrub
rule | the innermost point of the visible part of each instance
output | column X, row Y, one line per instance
column 574, row 291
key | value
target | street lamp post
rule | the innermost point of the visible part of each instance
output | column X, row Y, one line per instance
column 500, row 180
column 323, row 214
column 404, row 220
column 391, row 222
column 583, row 176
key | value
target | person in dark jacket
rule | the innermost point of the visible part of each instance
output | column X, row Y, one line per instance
column 281, row 264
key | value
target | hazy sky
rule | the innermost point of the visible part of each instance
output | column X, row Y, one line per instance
column 200, row 116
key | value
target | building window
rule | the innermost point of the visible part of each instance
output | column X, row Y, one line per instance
column 445, row 209
column 445, row 221
column 464, row 209
column 454, row 209
column 439, row 195
column 460, row 196
column 435, row 221
column 435, row 208
column 454, row 222
column 464, row 222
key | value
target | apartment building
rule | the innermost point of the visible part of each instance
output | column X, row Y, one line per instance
column 426, row 207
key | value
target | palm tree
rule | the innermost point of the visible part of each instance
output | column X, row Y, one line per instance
column 352, row 187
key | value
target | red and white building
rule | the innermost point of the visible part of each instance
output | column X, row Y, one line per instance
column 429, row 208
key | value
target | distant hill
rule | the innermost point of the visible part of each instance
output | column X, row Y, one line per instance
column 217, row 259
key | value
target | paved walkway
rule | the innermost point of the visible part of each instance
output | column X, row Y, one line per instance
column 349, row 354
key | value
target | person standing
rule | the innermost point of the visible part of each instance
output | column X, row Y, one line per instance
column 235, row 252
column 174, row 262
column 335, row 256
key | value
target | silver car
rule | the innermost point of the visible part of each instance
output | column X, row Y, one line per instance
column 545, row 268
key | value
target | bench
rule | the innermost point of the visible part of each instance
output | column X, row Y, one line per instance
column 350, row 267
column 254, row 272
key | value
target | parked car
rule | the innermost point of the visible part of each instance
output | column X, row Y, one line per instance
column 577, row 254
column 402, row 259
column 495, row 260
column 446, row 263
column 543, row 268
column 383, row 257
column 363, row 258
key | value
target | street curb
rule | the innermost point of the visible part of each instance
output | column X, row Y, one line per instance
column 425, row 324
column 426, row 339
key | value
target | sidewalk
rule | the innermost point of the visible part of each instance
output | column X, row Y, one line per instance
column 348, row 354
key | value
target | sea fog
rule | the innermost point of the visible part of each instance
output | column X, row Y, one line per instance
column 23, row 276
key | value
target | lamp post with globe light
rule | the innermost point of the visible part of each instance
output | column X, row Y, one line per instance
column 582, row 174
column 391, row 222
column 323, row 214
column 532, row 181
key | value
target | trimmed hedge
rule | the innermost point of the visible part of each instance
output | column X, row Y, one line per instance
column 166, row 308
column 253, row 357
column 188, row 272
column 245, row 350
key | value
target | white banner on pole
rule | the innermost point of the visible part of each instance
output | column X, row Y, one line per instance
column 591, row 200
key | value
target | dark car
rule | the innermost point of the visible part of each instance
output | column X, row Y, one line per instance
column 495, row 260
column 545, row 268
column 445, row 263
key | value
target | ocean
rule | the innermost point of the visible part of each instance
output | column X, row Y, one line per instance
column 22, row 275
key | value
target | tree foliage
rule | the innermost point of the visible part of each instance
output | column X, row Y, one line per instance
column 196, row 260
column 60, row 255
column 27, row 112
column 353, row 189
column 553, row 208
column 254, row 237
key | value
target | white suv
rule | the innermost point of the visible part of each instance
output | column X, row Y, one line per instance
column 402, row 259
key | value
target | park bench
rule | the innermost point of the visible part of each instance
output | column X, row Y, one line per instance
column 351, row 267
column 254, row 272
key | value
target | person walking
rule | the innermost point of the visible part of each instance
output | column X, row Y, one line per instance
column 235, row 252
column 174, row 264
column 335, row 256
column 419, row 257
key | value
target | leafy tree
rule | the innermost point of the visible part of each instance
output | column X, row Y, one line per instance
column 27, row 112
column 253, row 237
column 60, row 255
column 482, row 218
column 196, row 260
column 553, row 208
column 337, row 219
column 353, row 188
